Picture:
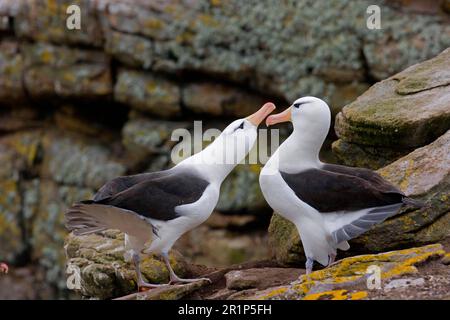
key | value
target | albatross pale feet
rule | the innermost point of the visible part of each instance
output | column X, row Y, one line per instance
column 174, row 278
column 309, row 265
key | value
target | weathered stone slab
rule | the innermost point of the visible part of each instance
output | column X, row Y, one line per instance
column 407, row 110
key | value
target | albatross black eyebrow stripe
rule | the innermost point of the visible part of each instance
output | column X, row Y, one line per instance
column 241, row 126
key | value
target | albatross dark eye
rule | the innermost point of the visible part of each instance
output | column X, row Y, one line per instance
column 241, row 126
column 297, row 105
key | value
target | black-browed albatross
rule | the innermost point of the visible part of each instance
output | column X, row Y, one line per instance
column 155, row 209
column 329, row 204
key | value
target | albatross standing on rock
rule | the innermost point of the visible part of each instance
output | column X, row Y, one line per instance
column 329, row 204
column 155, row 209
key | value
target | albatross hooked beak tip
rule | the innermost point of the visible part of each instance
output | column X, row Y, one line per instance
column 279, row 117
column 257, row 117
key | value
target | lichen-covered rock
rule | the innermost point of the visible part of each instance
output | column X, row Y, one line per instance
column 340, row 281
column 65, row 72
column 45, row 20
column 11, row 69
column 18, row 152
column 364, row 156
column 407, row 110
column 217, row 99
column 132, row 50
column 148, row 93
column 152, row 136
column 69, row 159
column 98, row 259
column 245, row 42
column 424, row 173
column 10, row 221
column 208, row 37
column 424, row 170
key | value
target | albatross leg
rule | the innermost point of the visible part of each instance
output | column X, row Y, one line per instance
column 140, row 282
column 309, row 265
column 332, row 259
column 173, row 276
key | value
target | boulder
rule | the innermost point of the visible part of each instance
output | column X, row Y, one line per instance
column 148, row 93
column 424, row 173
column 405, row 111
column 346, row 279
column 98, row 260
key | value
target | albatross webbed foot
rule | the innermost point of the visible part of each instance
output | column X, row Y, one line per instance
column 174, row 278
column 4, row 268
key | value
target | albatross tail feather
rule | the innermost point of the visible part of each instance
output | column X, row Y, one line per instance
column 89, row 217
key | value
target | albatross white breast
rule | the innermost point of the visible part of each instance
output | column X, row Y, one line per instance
column 155, row 209
column 329, row 204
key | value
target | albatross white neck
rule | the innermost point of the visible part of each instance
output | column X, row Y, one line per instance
column 301, row 149
column 217, row 160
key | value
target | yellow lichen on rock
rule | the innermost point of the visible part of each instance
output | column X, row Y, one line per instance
column 323, row 284
column 337, row 295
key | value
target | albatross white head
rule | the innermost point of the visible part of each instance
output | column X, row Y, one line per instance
column 311, row 119
column 219, row 158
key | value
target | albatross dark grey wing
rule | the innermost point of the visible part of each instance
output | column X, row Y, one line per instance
column 369, row 175
column 328, row 191
column 158, row 198
column 120, row 184
column 354, row 199
column 155, row 197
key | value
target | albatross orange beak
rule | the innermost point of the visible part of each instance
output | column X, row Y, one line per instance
column 261, row 114
column 279, row 117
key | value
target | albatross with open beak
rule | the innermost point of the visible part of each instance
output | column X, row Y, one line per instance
column 155, row 209
column 329, row 204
